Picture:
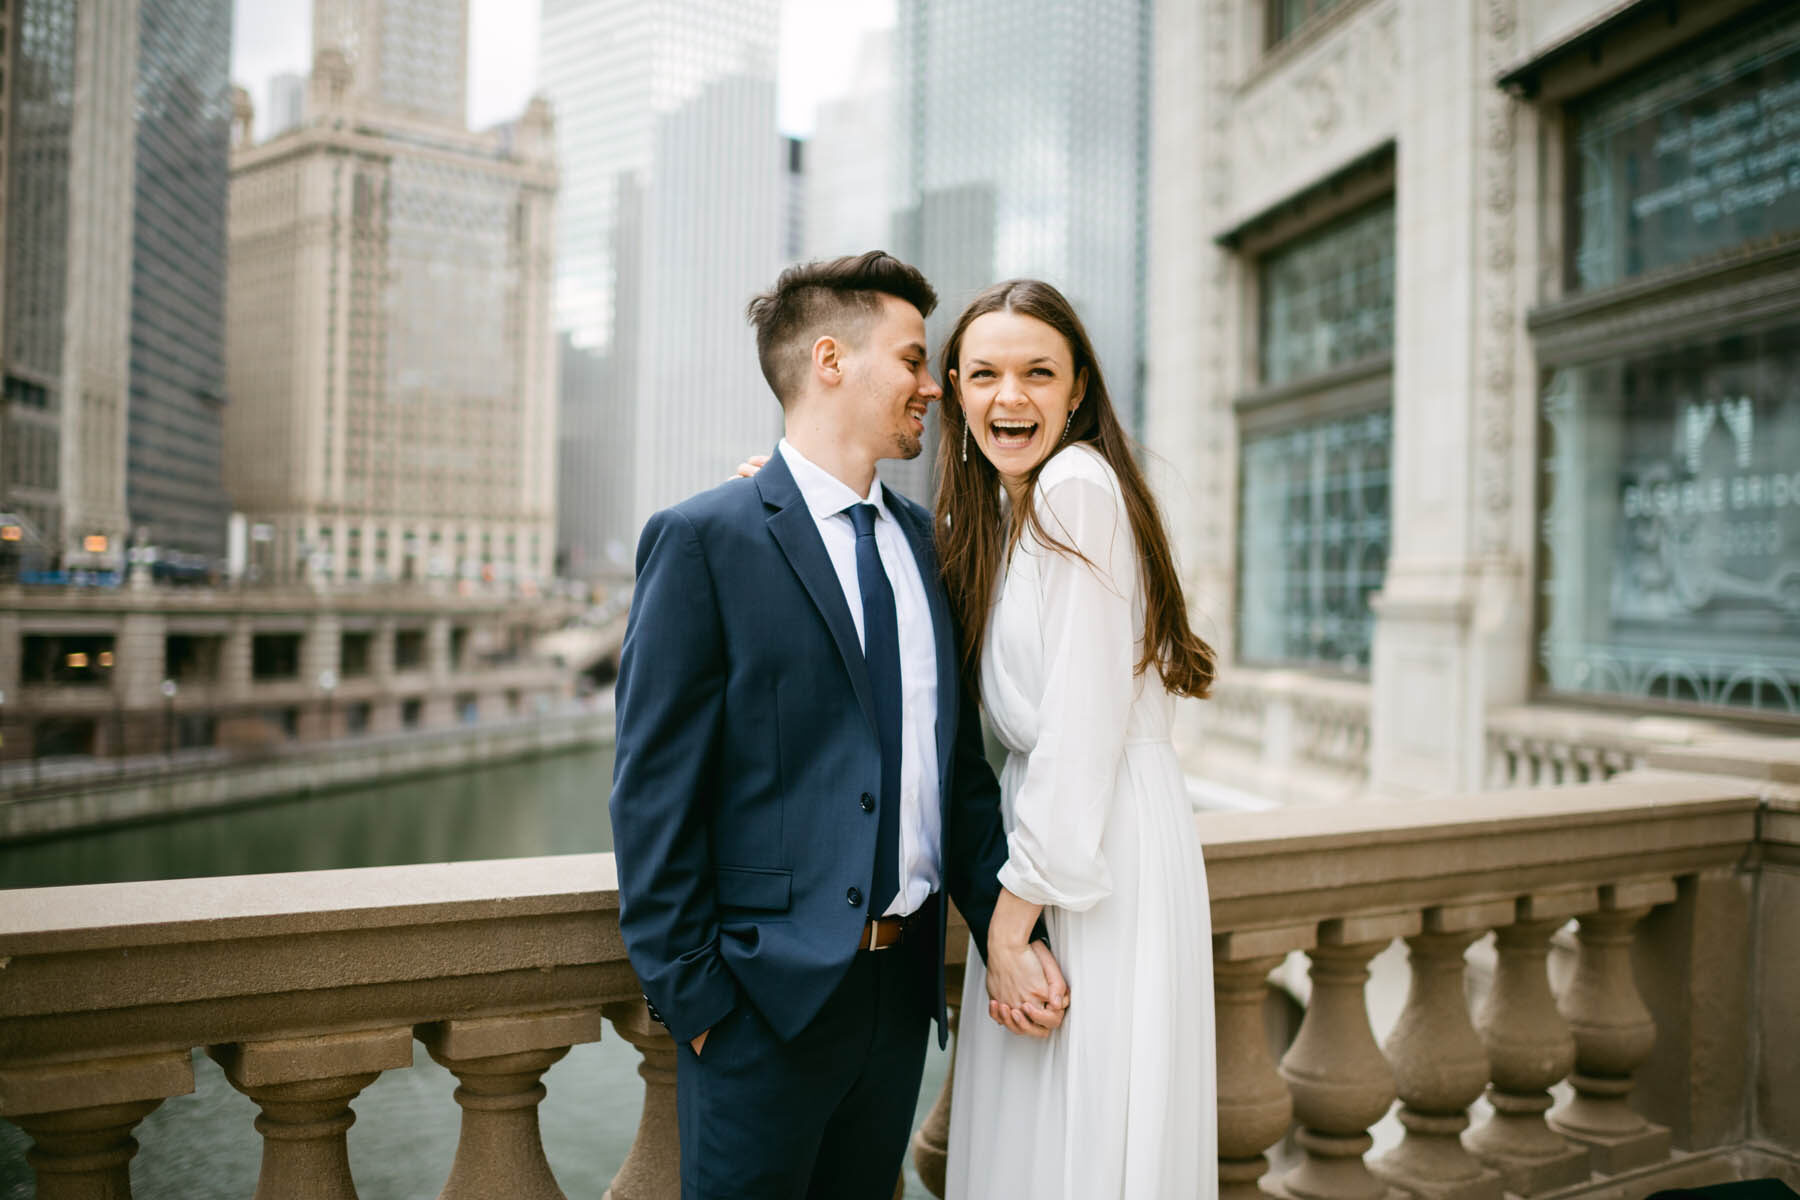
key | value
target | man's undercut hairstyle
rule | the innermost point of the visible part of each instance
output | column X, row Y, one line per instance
column 838, row 298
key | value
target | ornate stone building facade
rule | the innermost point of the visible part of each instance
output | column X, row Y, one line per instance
column 390, row 350
column 1471, row 331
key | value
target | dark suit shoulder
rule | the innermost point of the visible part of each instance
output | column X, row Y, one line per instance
column 729, row 503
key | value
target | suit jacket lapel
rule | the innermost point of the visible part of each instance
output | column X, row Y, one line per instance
column 918, row 536
column 797, row 534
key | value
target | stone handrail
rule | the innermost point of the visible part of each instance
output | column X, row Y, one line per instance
column 305, row 987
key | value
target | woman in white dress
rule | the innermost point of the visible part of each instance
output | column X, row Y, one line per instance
column 1052, row 548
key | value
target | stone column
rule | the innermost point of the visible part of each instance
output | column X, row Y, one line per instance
column 1440, row 1066
column 499, row 1061
column 304, row 1087
column 931, row 1145
column 1529, row 1047
column 1340, row 1082
column 652, row 1170
column 1453, row 618
column 80, row 1117
column 1614, row 1033
column 1254, row 1108
column 234, row 667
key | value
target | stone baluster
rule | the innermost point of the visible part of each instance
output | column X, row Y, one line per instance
column 1529, row 1047
column 80, row 1117
column 1340, row 1082
column 1254, row 1108
column 1614, row 1033
column 931, row 1144
column 304, row 1087
column 1440, row 1067
column 499, row 1062
column 652, row 1169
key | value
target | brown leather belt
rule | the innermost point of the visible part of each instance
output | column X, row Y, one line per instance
column 881, row 932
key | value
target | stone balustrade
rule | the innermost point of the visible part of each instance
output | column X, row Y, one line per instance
column 1650, row 1063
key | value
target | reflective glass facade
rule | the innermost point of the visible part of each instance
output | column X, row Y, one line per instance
column 174, row 490
column 1024, row 130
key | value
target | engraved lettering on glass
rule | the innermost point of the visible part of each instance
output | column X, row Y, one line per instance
column 1689, row 158
column 1671, row 525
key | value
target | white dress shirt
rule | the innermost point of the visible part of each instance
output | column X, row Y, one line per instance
column 827, row 497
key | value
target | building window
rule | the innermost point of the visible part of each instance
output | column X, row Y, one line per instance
column 355, row 653
column 193, row 657
column 1671, row 525
column 68, row 660
column 1690, row 158
column 1286, row 17
column 1314, row 538
column 1315, row 447
column 275, row 656
column 356, row 717
column 409, row 649
column 1327, row 299
column 412, row 713
column 1669, row 532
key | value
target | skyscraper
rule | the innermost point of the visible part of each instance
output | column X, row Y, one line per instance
column 409, row 57
column 114, row 276
column 65, row 353
column 287, row 102
column 1024, row 150
column 666, row 130
column 852, row 158
column 391, row 356
column 174, row 489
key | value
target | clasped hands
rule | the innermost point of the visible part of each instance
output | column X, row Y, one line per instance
column 1026, row 990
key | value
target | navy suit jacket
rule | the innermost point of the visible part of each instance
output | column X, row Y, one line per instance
column 746, row 744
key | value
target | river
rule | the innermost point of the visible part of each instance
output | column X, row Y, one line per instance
column 202, row 1147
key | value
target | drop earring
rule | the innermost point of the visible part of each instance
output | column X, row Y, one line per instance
column 1068, row 423
column 965, row 455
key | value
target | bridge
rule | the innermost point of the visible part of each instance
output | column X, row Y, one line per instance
column 1633, row 1033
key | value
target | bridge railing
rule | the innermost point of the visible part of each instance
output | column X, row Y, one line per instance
column 305, row 987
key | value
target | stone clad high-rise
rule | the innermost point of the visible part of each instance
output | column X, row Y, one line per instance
column 65, row 335
column 390, row 349
column 672, row 214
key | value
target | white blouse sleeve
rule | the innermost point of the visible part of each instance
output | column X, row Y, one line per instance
column 1090, row 655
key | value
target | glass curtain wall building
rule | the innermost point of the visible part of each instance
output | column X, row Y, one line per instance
column 174, row 484
column 672, row 214
column 1024, row 144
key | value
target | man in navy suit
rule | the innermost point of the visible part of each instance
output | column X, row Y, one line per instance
column 799, row 776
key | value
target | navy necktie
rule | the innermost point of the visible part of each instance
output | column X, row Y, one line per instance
column 881, row 650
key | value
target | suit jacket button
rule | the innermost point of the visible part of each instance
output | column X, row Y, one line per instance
column 854, row 896
column 868, row 802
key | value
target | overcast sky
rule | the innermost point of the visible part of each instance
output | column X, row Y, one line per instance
column 818, row 40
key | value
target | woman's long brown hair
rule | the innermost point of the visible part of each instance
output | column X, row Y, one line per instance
column 973, row 539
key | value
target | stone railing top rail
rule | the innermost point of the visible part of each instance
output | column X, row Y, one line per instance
column 1274, row 876
column 138, row 968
